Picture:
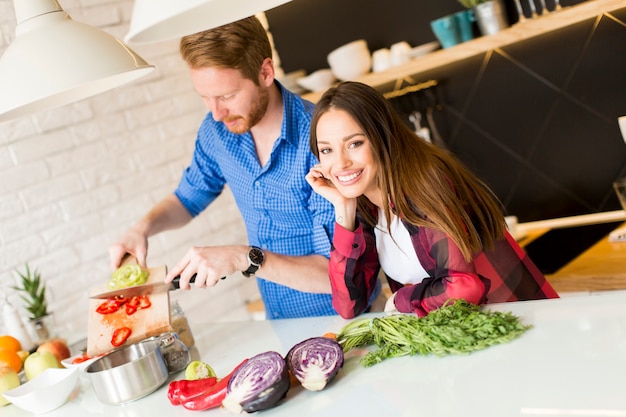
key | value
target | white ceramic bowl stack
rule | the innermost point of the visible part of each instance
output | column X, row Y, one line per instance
column 350, row 61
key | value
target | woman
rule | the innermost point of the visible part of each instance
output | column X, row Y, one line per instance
column 413, row 209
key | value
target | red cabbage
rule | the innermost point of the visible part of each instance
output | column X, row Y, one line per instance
column 315, row 362
column 258, row 384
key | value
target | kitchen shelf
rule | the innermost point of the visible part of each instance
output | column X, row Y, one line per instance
column 518, row 32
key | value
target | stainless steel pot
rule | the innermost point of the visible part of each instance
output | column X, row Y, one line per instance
column 129, row 373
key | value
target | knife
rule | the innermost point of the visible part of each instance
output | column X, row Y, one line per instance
column 144, row 289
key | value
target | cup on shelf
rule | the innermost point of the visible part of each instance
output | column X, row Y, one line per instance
column 490, row 17
column 381, row 59
column 446, row 30
column 464, row 21
column 400, row 53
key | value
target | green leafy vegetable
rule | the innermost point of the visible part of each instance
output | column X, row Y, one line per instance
column 456, row 328
column 127, row 276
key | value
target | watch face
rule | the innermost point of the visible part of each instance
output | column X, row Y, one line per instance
column 256, row 256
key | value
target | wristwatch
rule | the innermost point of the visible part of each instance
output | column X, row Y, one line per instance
column 256, row 258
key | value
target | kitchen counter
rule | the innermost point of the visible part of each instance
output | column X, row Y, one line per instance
column 572, row 362
column 602, row 267
column 518, row 32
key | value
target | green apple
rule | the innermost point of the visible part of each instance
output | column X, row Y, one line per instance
column 8, row 380
column 37, row 362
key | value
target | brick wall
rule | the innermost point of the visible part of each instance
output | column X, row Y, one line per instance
column 73, row 179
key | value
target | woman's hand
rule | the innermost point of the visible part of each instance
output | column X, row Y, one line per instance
column 322, row 185
column 345, row 208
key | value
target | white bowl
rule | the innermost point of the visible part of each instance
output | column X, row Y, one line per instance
column 350, row 61
column 319, row 80
column 48, row 391
column 69, row 362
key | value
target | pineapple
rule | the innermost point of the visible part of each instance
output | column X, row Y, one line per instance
column 34, row 293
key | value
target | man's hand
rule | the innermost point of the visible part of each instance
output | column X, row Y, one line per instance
column 168, row 214
column 209, row 264
column 132, row 242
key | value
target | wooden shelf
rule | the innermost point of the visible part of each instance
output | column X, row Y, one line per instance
column 518, row 32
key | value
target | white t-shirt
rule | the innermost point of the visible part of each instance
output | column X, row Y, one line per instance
column 397, row 255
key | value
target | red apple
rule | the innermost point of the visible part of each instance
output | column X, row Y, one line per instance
column 37, row 362
column 8, row 380
column 58, row 347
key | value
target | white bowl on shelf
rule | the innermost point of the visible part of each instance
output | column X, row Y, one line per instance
column 46, row 392
column 318, row 80
column 350, row 61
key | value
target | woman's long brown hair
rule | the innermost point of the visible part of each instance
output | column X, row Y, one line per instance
column 428, row 185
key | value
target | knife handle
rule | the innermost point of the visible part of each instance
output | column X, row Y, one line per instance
column 176, row 281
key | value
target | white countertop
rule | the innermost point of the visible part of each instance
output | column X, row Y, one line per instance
column 571, row 363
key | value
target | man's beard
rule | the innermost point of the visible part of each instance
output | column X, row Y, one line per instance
column 257, row 111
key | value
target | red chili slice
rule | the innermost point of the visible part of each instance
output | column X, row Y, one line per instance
column 137, row 302
column 130, row 309
column 121, row 299
column 120, row 336
column 80, row 359
column 144, row 301
column 109, row 306
column 133, row 301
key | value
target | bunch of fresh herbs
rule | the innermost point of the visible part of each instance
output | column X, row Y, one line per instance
column 458, row 327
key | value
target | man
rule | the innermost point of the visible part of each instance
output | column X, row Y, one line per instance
column 255, row 138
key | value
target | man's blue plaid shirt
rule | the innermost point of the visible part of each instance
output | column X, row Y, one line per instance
column 281, row 212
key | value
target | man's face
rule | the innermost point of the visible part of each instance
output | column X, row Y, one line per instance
column 237, row 102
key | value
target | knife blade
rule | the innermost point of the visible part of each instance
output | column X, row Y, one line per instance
column 144, row 289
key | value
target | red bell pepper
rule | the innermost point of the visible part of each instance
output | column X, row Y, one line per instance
column 137, row 302
column 214, row 396
column 184, row 390
column 120, row 335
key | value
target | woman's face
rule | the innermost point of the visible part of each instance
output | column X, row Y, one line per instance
column 345, row 155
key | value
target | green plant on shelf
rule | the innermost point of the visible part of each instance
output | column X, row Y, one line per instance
column 33, row 293
column 470, row 4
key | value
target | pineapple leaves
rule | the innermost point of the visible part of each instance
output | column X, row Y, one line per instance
column 33, row 293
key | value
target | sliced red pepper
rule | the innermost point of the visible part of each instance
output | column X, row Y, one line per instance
column 109, row 306
column 80, row 359
column 214, row 396
column 133, row 301
column 121, row 299
column 120, row 336
column 184, row 390
column 137, row 302
column 130, row 309
column 144, row 302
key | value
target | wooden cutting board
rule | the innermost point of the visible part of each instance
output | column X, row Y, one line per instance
column 144, row 323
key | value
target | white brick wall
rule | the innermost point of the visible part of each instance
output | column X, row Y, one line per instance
column 74, row 178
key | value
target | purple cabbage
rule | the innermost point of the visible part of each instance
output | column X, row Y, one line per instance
column 315, row 362
column 258, row 384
